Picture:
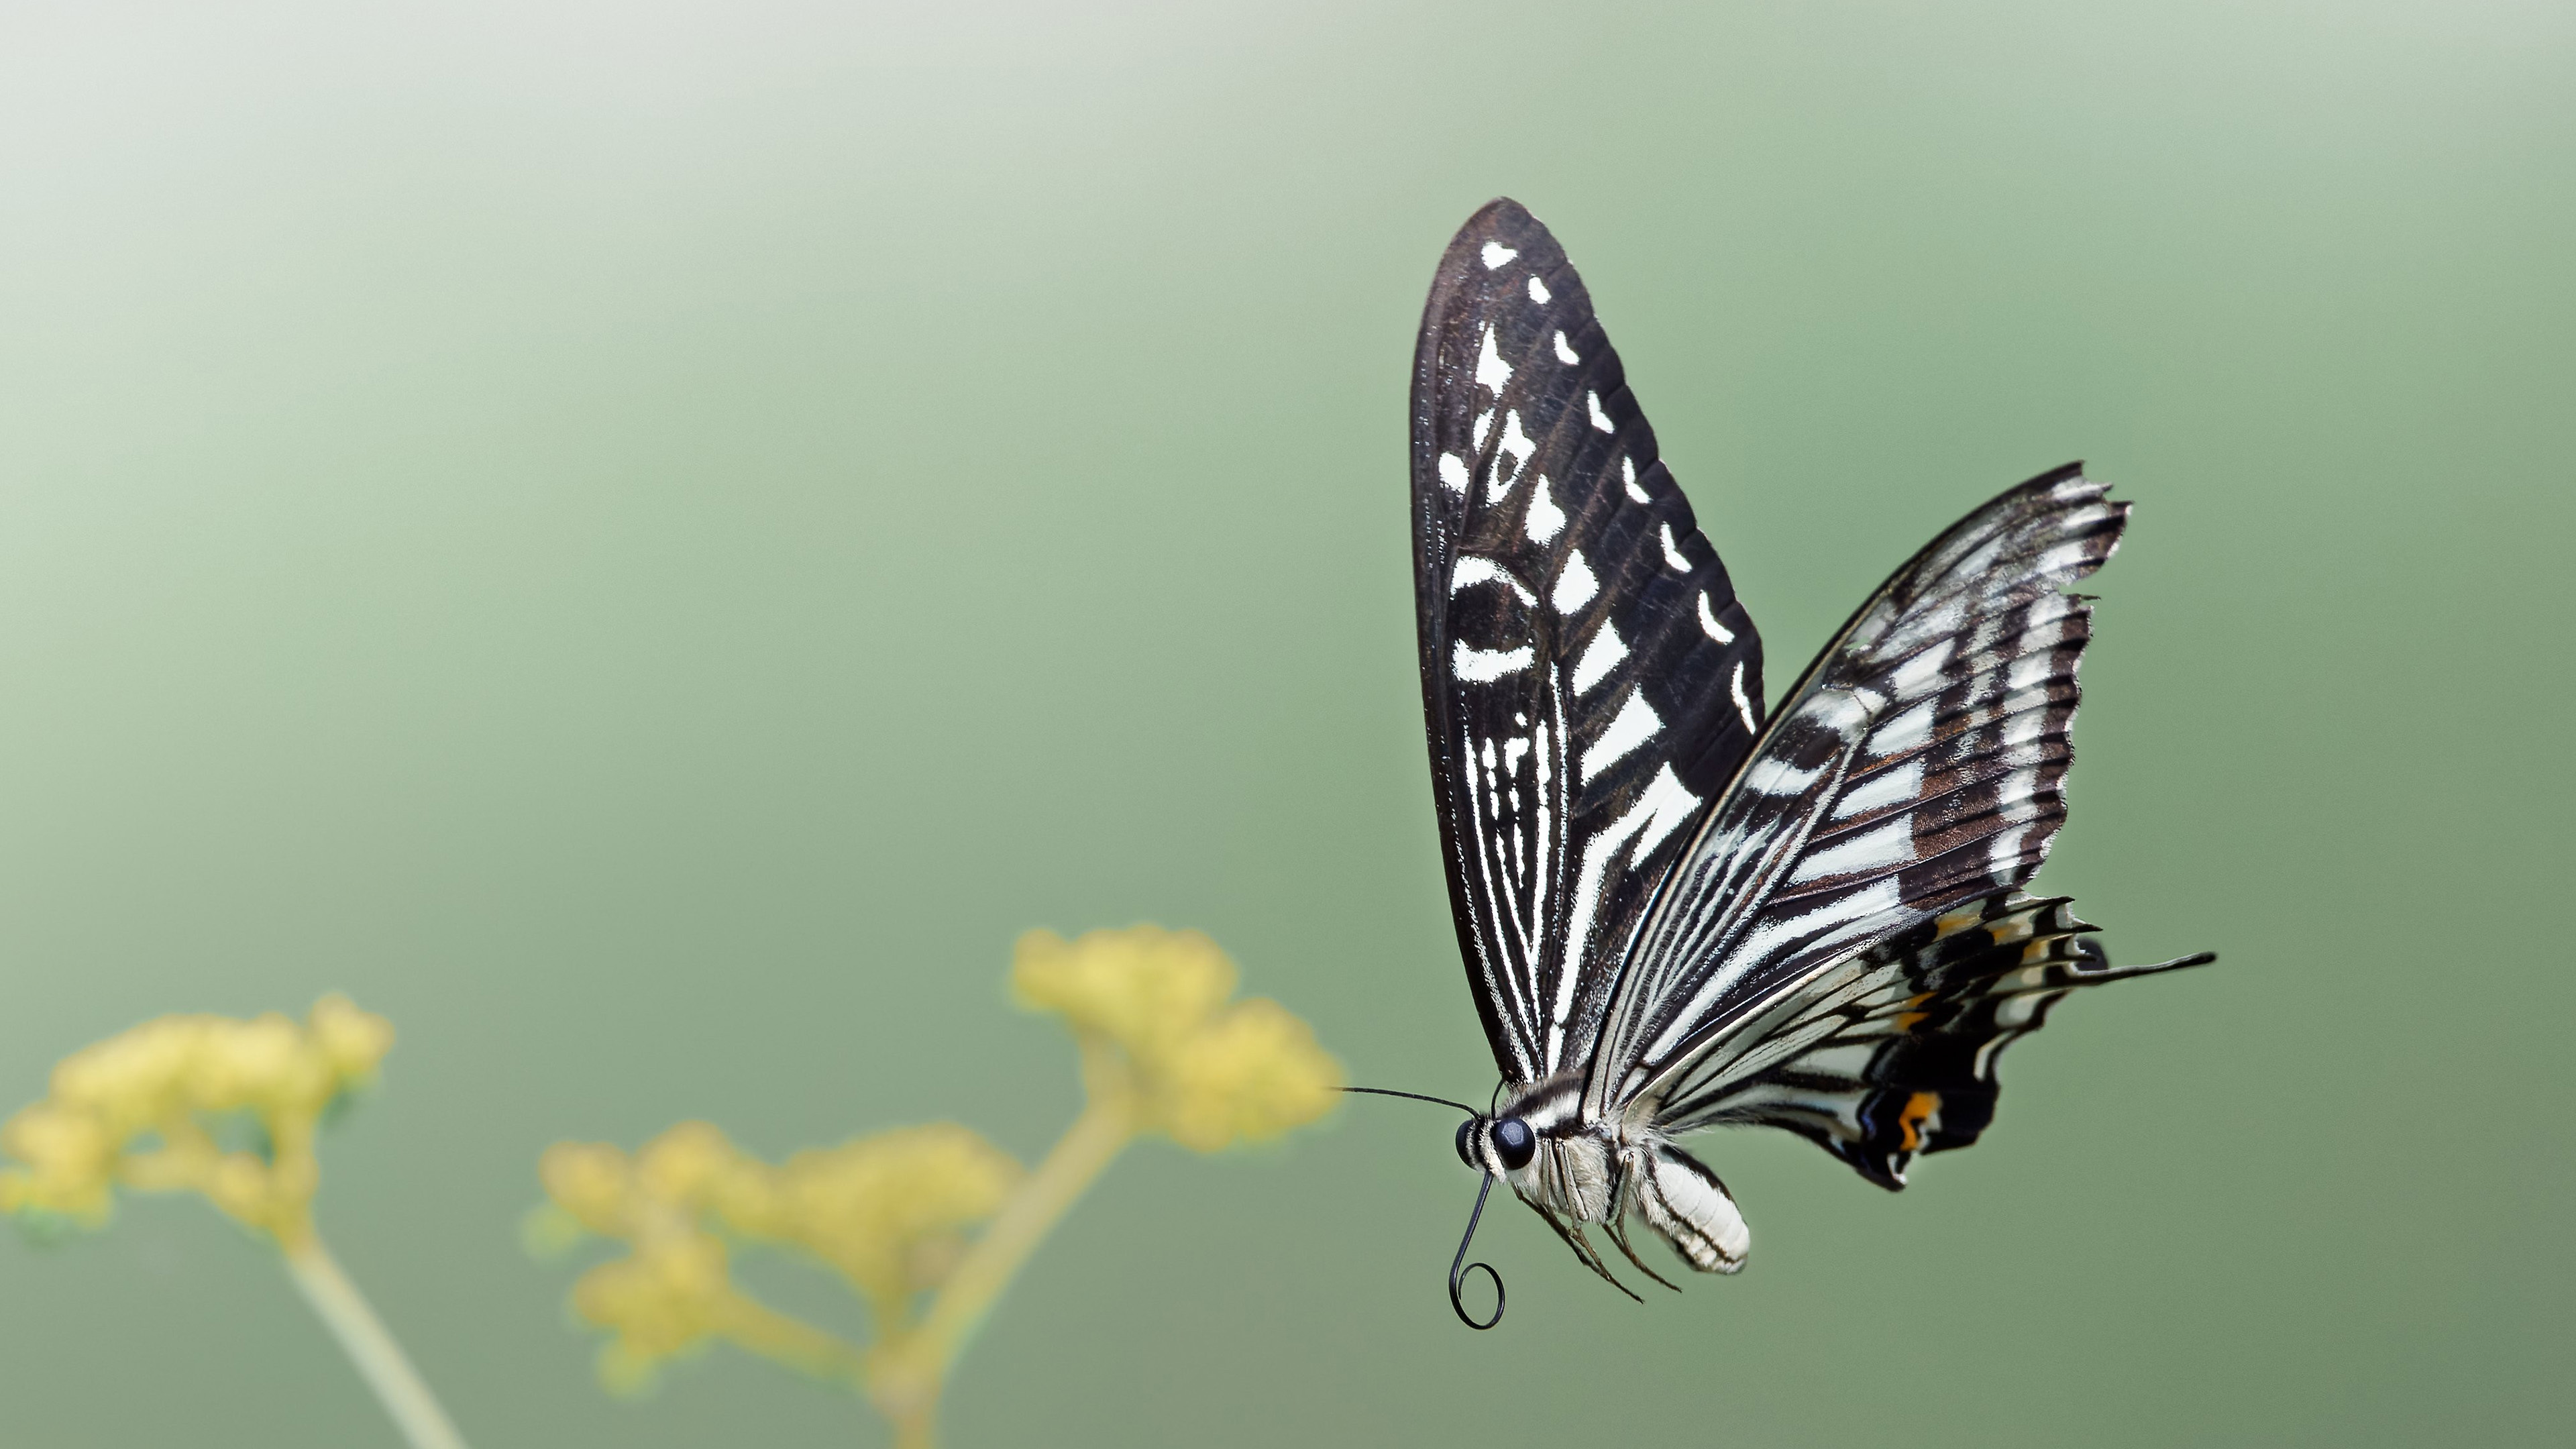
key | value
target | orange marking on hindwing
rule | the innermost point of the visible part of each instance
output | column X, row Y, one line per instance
column 1913, row 1013
column 1918, row 1108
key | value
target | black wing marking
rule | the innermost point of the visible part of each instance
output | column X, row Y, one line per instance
column 1916, row 766
column 1897, row 1055
column 1589, row 681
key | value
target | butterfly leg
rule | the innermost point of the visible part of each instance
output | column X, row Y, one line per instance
column 1618, row 1227
column 1617, row 1223
column 1619, row 1235
column 1583, row 1249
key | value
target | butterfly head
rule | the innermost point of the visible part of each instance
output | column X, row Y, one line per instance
column 1484, row 1142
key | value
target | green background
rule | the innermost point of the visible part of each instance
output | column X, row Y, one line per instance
column 648, row 542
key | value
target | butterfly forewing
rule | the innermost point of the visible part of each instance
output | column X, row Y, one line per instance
column 1589, row 681
column 1916, row 766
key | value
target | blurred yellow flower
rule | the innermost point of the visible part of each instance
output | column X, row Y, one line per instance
column 674, row 1291
column 928, row 1224
column 673, row 1294
column 888, row 1210
column 227, row 1108
column 151, row 1109
column 1150, row 1008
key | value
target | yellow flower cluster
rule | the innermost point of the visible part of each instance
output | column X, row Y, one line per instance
column 1151, row 1010
column 889, row 1211
column 928, row 1224
column 152, row 1108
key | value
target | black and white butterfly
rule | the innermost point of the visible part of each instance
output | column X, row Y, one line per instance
column 1676, row 911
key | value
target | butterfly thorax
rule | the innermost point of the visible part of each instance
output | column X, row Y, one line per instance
column 1541, row 1144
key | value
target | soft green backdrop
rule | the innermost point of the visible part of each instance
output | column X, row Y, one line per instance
column 648, row 542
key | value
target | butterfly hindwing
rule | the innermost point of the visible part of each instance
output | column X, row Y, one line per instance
column 1916, row 766
column 1899, row 1053
column 1589, row 680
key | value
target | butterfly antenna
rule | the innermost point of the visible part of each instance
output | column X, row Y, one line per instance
column 1459, row 1267
column 1416, row 1096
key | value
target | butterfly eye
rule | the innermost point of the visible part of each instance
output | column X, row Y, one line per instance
column 1514, row 1143
column 1467, row 1143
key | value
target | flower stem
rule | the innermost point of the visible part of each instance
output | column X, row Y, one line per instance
column 906, row 1375
column 364, row 1337
column 763, row 1330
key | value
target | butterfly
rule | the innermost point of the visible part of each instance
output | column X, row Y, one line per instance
column 1679, row 910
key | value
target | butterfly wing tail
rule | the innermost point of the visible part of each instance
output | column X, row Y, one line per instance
column 1911, row 1065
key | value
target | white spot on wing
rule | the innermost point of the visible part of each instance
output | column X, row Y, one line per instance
column 1921, row 671
column 1871, row 850
column 1600, row 419
column 1538, row 291
column 1635, row 724
column 1673, row 555
column 1708, row 622
column 1576, row 586
column 1483, row 666
column 1895, row 787
column 1491, row 370
column 1628, row 476
column 1453, row 472
column 2022, row 735
column 2031, row 669
column 2067, row 560
column 1546, row 520
column 1564, row 353
column 1470, row 571
column 1779, row 777
column 2013, row 799
column 1669, row 805
column 2017, row 804
column 1904, row 732
column 1496, row 254
column 1743, row 706
column 1599, row 657
column 2005, row 854
column 1842, row 711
